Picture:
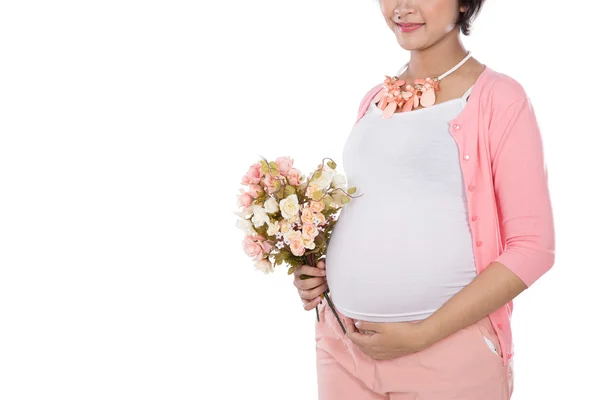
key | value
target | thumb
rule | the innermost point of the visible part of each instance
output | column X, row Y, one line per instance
column 350, row 328
column 365, row 325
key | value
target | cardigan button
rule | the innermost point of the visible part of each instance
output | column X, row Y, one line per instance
column 471, row 188
column 474, row 218
column 479, row 243
column 456, row 126
column 499, row 326
column 466, row 157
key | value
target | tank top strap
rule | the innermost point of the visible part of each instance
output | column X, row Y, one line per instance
column 463, row 99
column 467, row 93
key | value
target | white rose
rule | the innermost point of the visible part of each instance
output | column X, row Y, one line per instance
column 339, row 181
column 337, row 199
column 309, row 244
column 264, row 265
column 246, row 226
column 245, row 213
column 323, row 181
column 289, row 207
column 260, row 216
column 271, row 205
column 273, row 228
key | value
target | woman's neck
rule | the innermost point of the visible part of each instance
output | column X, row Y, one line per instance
column 435, row 60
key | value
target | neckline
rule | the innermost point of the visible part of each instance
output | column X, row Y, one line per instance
column 451, row 101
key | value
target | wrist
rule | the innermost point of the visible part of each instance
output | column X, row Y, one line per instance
column 425, row 334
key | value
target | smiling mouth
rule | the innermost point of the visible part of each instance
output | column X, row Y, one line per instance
column 408, row 27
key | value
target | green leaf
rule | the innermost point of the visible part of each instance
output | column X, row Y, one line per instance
column 332, row 164
column 291, row 270
column 295, row 261
column 317, row 174
column 264, row 169
column 352, row 190
column 262, row 230
column 345, row 199
column 289, row 190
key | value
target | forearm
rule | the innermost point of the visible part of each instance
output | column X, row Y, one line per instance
column 490, row 290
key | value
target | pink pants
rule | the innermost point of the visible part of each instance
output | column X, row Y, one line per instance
column 462, row 366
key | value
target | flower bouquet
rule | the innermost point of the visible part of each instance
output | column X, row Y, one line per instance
column 289, row 219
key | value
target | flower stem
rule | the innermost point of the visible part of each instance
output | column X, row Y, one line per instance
column 311, row 261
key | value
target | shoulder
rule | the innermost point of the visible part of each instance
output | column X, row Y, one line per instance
column 365, row 101
column 499, row 90
column 373, row 90
column 507, row 108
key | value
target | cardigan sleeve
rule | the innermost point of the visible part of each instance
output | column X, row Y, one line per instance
column 521, row 190
column 366, row 100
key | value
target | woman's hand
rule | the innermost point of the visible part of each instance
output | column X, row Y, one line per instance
column 386, row 340
column 310, row 289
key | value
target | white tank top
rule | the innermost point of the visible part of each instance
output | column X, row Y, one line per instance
column 403, row 248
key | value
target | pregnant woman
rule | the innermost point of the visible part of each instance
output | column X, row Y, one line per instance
column 454, row 222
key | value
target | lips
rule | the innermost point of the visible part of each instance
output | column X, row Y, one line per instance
column 409, row 27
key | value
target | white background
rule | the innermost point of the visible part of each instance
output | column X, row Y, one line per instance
column 125, row 127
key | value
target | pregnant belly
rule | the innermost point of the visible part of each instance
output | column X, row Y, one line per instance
column 398, row 267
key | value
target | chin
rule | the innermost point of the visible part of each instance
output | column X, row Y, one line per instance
column 410, row 46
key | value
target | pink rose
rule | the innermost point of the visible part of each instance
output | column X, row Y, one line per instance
column 253, row 175
column 269, row 181
column 255, row 190
column 294, row 177
column 252, row 248
column 284, row 164
column 256, row 246
column 297, row 246
column 245, row 200
column 284, row 226
column 312, row 192
column 307, row 216
column 317, row 206
column 309, row 231
column 266, row 246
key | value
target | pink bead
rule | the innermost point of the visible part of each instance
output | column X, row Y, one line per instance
column 428, row 98
column 389, row 110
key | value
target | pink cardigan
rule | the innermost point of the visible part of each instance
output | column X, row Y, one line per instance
column 505, row 175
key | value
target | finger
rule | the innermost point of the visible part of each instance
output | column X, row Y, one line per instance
column 368, row 326
column 311, row 293
column 303, row 293
column 308, row 283
column 321, row 264
column 308, row 270
column 353, row 333
column 350, row 328
column 310, row 304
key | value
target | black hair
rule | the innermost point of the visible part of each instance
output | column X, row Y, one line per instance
column 466, row 18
